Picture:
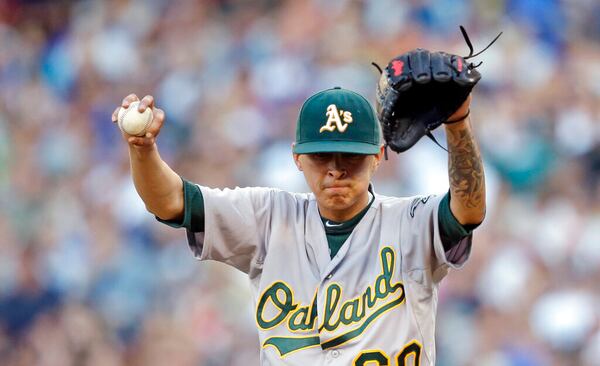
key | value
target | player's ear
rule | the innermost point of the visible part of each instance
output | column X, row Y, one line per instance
column 377, row 158
column 296, row 158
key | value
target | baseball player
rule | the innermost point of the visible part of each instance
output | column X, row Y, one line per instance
column 341, row 275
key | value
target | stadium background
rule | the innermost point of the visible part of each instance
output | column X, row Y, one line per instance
column 88, row 277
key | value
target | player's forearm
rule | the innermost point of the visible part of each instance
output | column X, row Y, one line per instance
column 465, row 171
column 158, row 185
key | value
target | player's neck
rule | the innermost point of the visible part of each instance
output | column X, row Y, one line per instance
column 346, row 213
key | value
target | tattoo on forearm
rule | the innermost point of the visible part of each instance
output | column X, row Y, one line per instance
column 465, row 168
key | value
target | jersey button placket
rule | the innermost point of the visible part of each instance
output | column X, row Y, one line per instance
column 335, row 353
column 329, row 276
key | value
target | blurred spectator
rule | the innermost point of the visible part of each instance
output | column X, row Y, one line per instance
column 30, row 298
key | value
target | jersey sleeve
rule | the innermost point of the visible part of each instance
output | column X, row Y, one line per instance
column 193, row 213
column 421, row 240
column 236, row 225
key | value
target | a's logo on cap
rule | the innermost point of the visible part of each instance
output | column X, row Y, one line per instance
column 334, row 119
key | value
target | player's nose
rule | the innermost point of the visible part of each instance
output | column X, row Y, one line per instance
column 336, row 167
column 336, row 173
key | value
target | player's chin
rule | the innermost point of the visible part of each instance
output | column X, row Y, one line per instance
column 338, row 191
column 338, row 201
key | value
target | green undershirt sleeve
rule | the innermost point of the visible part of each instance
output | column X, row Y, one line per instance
column 451, row 231
column 193, row 212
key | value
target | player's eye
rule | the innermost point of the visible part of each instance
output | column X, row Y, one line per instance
column 321, row 156
column 353, row 157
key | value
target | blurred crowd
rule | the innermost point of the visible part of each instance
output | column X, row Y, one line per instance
column 88, row 277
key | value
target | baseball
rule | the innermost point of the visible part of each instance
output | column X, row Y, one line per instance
column 132, row 122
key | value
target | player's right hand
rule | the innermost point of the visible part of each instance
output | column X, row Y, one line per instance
column 153, row 130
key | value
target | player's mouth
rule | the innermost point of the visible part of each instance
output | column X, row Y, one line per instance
column 336, row 188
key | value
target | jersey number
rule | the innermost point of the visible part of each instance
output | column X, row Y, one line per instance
column 379, row 358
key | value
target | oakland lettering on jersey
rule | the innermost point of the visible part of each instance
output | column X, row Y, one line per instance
column 279, row 300
column 300, row 317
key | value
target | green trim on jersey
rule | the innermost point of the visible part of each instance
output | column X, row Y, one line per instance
column 451, row 231
column 193, row 212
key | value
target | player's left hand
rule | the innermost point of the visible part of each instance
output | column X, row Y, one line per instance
column 419, row 90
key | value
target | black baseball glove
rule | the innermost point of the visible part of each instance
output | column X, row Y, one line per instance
column 419, row 90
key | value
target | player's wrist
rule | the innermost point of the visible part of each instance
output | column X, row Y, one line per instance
column 142, row 151
column 458, row 125
column 461, row 118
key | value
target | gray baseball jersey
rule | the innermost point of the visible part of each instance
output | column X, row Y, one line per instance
column 374, row 303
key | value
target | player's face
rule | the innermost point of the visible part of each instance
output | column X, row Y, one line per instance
column 340, row 181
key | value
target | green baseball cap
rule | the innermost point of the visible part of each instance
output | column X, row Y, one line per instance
column 337, row 120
